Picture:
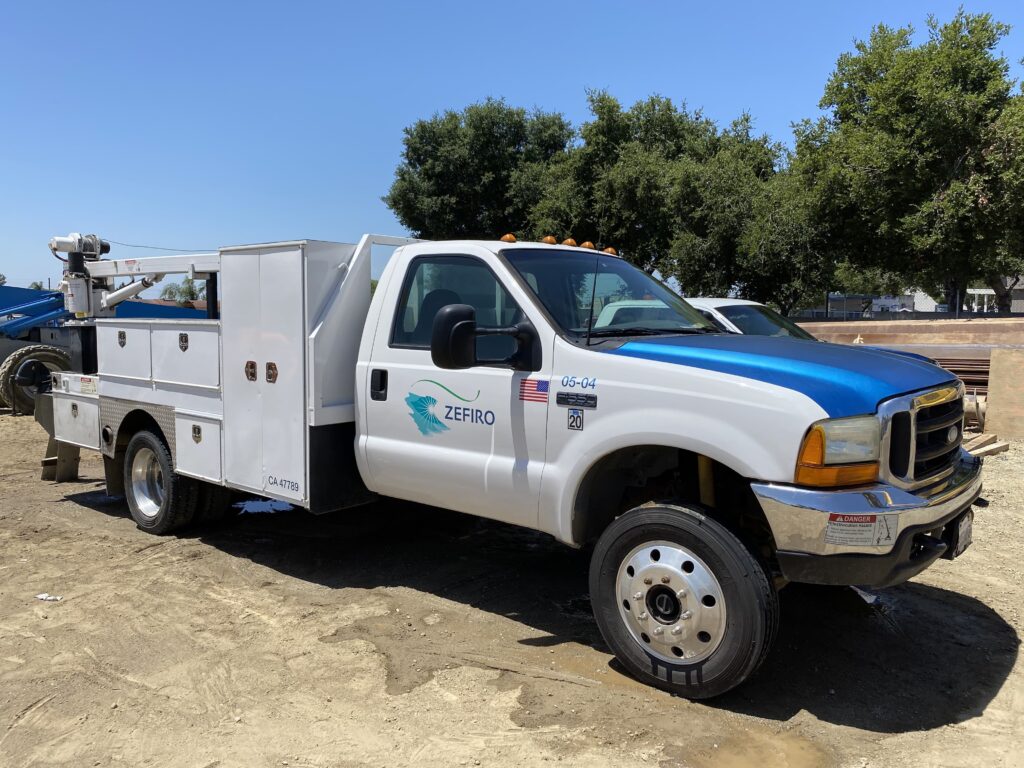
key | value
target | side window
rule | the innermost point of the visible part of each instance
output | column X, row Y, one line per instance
column 436, row 281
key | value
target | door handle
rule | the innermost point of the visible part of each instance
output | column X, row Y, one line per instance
column 250, row 370
column 378, row 384
column 271, row 373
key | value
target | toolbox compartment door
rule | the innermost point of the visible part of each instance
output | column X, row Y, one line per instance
column 263, row 338
column 76, row 419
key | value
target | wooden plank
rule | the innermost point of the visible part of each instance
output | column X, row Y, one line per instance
column 980, row 442
column 1005, row 415
column 988, row 450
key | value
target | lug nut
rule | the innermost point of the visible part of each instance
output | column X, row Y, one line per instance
column 681, row 594
column 643, row 616
column 677, row 630
column 647, row 581
column 685, row 615
column 658, row 630
column 664, row 579
column 638, row 595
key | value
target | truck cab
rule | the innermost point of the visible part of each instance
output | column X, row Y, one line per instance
column 560, row 389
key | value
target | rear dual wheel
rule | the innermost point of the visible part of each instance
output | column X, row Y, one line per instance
column 680, row 600
column 160, row 500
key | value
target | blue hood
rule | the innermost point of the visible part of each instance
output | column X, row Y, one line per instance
column 843, row 380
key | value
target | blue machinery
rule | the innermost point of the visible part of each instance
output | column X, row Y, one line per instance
column 22, row 309
column 30, row 309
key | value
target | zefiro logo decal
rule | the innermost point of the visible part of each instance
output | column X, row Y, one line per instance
column 433, row 416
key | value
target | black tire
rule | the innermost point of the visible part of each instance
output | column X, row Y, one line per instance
column 747, row 619
column 23, row 399
column 214, row 503
column 3, row 400
column 160, row 501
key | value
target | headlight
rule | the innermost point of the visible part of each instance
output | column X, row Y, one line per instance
column 839, row 452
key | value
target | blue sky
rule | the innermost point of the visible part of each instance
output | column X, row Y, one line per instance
column 199, row 124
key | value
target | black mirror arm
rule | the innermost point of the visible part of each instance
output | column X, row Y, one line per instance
column 511, row 330
column 525, row 334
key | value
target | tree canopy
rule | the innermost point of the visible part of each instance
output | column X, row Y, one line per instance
column 463, row 174
column 914, row 163
column 185, row 291
column 913, row 177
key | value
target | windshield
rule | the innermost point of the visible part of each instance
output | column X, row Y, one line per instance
column 757, row 320
column 597, row 295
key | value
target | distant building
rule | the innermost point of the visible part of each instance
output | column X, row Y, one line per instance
column 922, row 302
column 903, row 303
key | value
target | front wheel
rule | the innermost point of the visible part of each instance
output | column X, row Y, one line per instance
column 680, row 601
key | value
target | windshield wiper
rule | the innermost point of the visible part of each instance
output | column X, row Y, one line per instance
column 606, row 332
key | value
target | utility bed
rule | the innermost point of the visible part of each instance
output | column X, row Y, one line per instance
column 259, row 399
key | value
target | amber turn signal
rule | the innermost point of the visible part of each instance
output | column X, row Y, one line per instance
column 812, row 471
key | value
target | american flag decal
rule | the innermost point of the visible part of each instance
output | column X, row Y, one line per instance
column 533, row 391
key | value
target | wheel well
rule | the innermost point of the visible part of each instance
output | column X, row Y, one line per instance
column 136, row 421
column 113, row 466
column 630, row 477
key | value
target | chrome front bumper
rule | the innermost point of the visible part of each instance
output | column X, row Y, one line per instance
column 867, row 520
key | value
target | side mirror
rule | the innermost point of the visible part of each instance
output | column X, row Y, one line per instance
column 453, row 342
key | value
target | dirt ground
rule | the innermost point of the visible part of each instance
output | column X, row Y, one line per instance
column 404, row 636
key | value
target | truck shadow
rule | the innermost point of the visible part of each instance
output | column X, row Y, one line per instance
column 911, row 658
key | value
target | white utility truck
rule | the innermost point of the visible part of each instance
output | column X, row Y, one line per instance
column 707, row 469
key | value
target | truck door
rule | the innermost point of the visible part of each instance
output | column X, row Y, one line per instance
column 470, row 440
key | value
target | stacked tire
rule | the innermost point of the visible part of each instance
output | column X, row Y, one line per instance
column 22, row 399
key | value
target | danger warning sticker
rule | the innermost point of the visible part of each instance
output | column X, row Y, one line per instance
column 861, row 530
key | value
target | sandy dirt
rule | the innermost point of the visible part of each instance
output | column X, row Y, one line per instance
column 404, row 636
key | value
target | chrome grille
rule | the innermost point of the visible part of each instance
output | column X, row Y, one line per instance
column 921, row 436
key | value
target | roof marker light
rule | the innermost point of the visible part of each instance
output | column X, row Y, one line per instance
column 550, row 240
column 509, row 238
column 569, row 241
column 587, row 244
column 610, row 251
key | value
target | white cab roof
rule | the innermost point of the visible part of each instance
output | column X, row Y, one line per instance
column 709, row 302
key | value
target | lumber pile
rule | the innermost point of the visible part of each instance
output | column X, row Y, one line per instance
column 985, row 445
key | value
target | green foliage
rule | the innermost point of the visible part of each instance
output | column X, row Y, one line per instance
column 915, row 177
column 185, row 291
column 3, row 279
column 662, row 184
column 916, row 152
column 36, row 285
column 867, row 280
column 461, row 174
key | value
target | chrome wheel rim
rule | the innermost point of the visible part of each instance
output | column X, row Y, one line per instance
column 147, row 483
column 671, row 602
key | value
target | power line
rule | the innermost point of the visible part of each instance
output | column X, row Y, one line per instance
column 158, row 248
